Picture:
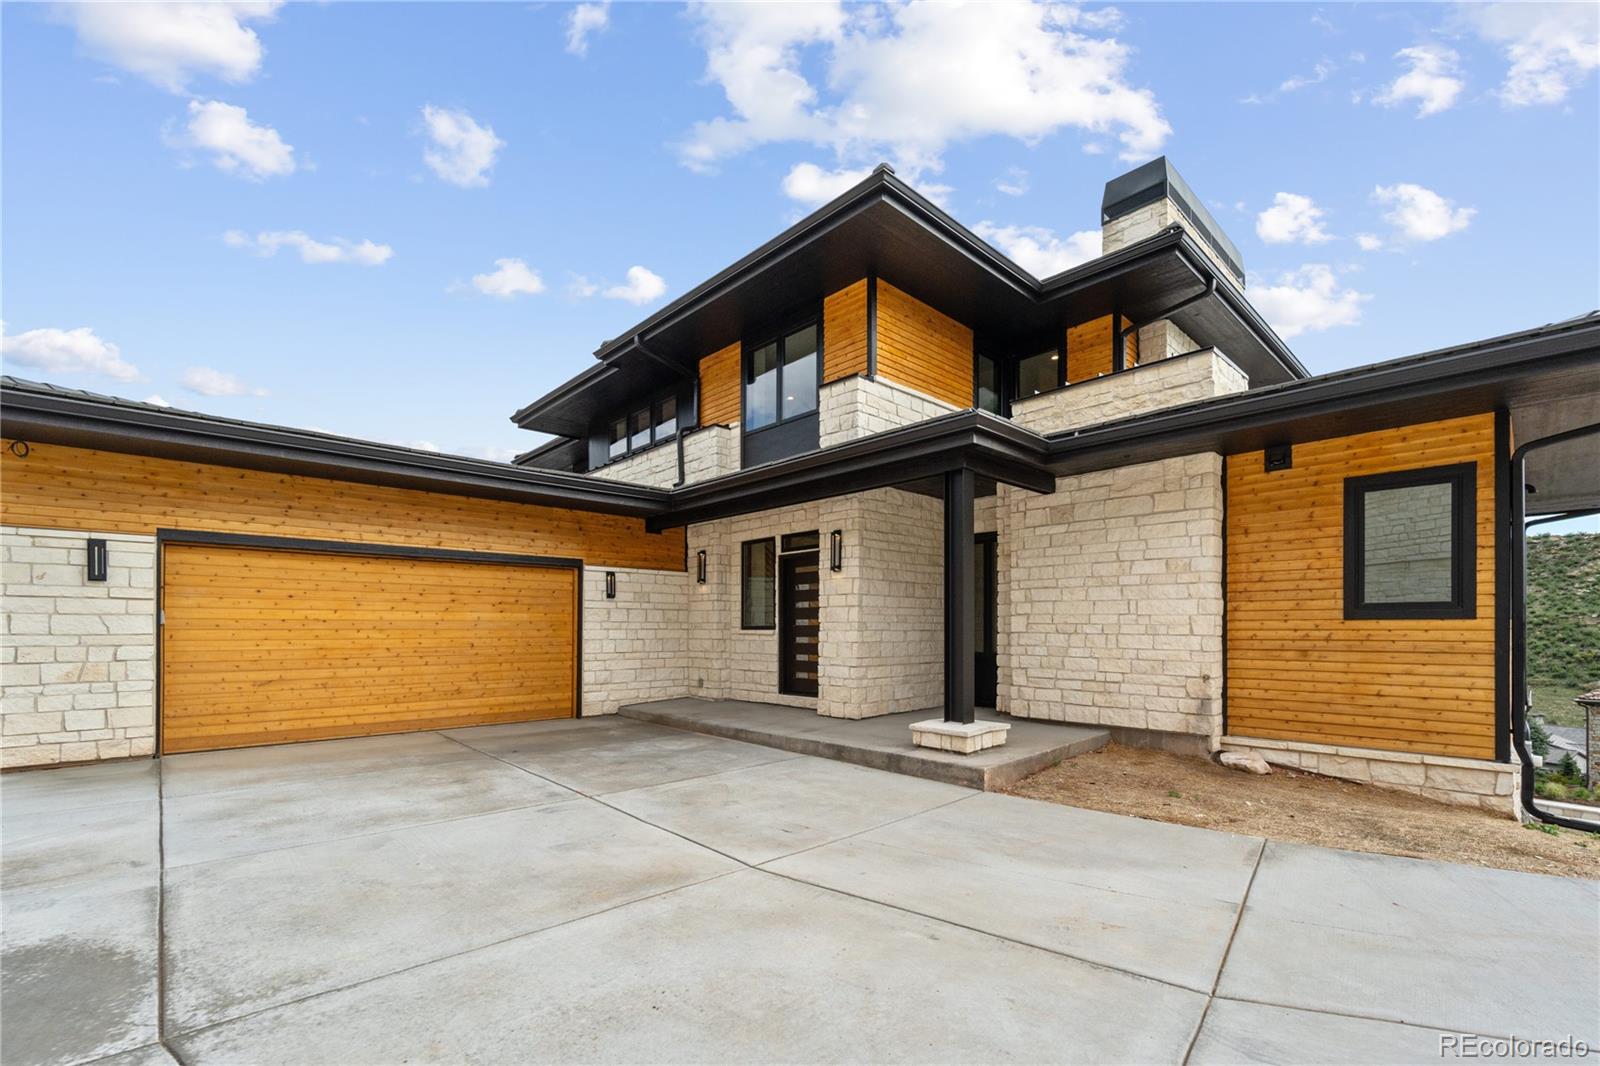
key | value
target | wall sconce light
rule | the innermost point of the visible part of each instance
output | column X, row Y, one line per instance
column 700, row 567
column 836, row 550
column 611, row 584
column 97, row 559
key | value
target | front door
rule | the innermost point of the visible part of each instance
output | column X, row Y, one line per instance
column 986, row 673
column 799, row 619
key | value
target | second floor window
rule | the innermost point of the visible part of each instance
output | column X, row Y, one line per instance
column 1038, row 373
column 780, row 380
column 648, row 425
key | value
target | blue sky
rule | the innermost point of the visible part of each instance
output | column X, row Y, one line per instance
column 401, row 222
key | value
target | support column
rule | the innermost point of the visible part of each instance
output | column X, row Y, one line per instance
column 959, row 730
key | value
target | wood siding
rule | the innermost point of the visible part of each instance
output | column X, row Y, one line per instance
column 844, row 332
column 923, row 349
column 719, row 387
column 74, row 488
column 1297, row 670
column 268, row 647
column 1089, row 349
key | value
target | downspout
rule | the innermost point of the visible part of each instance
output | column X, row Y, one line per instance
column 1517, row 482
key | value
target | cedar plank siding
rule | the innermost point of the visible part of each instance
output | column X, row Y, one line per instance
column 719, row 387
column 1089, row 350
column 80, row 489
column 844, row 332
column 1297, row 670
column 923, row 349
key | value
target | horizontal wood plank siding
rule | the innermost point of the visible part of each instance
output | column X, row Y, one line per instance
column 1297, row 670
column 1089, row 350
column 844, row 332
column 923, row 349
column 57, row 487
column 719, row 387
column 268, row 647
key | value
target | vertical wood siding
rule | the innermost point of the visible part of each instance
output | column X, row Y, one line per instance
column 844, row 332
column 719, row 387
column 1297, row 670
column 76, row 488
column 923, row 349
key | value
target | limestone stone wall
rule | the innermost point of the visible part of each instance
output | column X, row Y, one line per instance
column 1492, row 786
column 78, row 656
column 1110, row 598
column 1147, row 387
column 1151, row 219
column 1163, row 340
column 855, row 407
column 635, row 647
column 707, row 453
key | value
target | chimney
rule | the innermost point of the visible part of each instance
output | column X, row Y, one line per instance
column 1148, row 199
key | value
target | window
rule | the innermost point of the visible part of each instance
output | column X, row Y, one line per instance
column 1409, row 544
column 986, row 391
column 801, row 542
column 653, row 424
column 667, row 418
column 638, row 429
column 780, row 380
column 758, row 584
column 619, row 439
column 1039, row 373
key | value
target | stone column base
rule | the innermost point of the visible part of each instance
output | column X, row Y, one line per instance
column 959, row 737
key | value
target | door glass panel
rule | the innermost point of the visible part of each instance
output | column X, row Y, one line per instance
column 800, row 372
column 1038, row 373
column 761, row 388
column 988, row 398
column 639, row 429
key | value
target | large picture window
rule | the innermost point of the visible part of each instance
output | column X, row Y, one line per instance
column 780, row 380
column 1410, row 544
column 758, row 584
column 1038, row 373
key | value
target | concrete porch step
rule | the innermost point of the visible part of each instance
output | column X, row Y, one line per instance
column 883, row 743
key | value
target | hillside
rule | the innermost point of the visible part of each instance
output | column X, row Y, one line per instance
column 1563, row 622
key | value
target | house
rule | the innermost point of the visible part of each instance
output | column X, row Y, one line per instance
column 872, row 467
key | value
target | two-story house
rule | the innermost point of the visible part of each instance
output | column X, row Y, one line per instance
column 872, row 467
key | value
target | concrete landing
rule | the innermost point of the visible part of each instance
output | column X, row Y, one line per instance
column 883, row 743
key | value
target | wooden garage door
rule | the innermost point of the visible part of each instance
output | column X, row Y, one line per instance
column 264, row 646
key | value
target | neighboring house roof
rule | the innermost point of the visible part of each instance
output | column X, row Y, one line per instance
column 883, row 226
column 1588, row 699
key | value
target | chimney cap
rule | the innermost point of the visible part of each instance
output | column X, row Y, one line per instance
column 1157, row 179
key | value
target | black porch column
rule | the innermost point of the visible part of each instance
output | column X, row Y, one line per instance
column 959, row 644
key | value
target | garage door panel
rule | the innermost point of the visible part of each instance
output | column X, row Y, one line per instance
column 266, row 646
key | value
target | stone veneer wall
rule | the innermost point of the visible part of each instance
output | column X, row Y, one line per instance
column 857, row 407
column 1492, row 786
column 1163, row 339
column 1147, row 387
column 882, row 614
column 78, row 656
column 1151, row 219
column 708, row 452
column 635, row 647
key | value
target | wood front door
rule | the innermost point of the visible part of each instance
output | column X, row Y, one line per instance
column 799, row 625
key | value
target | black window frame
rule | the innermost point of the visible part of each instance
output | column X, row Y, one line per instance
column 777, row 335
column 1463, row 602
column 745, row 599
column 653, row 405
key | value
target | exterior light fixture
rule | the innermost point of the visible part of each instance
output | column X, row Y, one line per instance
column 611, row 584
column 836, row 550
column 97, row 559
column 700, row 567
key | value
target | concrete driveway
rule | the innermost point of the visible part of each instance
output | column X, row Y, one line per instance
column 608, row 890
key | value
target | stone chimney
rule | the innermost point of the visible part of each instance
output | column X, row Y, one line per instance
column 1142, row 203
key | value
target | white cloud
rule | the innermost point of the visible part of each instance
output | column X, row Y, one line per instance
column 584, row 20
column 67, row 351
column 169, row 43
column 157, row 399
column 580, row 286
column 509, row 279
column 1307, row 300
column 237, row 145
column 365, row 253
column 208, row 382
column 460, row 151
column 1319, row 73
column 1292, row 219
column 908, row 80
column 1432, row 80
column 1015, row 183
column 643, row 286
column 810, row 184
column 1038, row 250
column 495, row 453
column 1421, row 214
column 1552, row 48
column 1369, row 242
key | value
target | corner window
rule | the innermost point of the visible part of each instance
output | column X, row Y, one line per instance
column 758, row 584
column 780, row 380
column 986, row 385
column 1038, row 373
column 1410, row 544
